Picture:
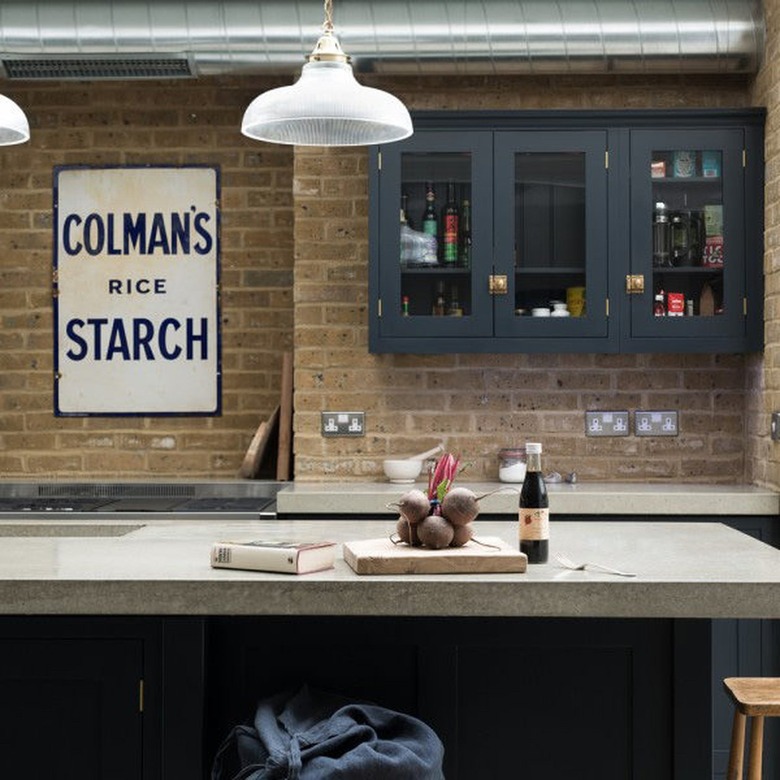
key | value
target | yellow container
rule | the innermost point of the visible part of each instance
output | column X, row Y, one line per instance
column 575, row 301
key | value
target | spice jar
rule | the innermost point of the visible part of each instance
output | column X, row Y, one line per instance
column 511, row 464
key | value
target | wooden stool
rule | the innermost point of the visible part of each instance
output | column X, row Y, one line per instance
column 757, row 698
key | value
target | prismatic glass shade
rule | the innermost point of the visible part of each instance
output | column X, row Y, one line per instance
column 14, row 128
column 327, row 107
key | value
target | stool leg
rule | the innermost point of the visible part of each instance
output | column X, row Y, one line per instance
column 737, row 747
column 756, row 747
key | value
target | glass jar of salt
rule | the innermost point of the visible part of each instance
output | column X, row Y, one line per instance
column 511, row 464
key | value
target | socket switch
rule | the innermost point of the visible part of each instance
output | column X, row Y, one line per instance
column 606, row 424
column 343, row 423
column 655, row 423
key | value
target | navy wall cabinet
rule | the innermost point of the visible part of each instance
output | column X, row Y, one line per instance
column 569, row 232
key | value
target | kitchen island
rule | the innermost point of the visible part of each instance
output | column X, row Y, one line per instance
column 615, row 670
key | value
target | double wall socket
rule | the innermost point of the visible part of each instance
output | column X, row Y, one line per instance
column 655, row 423
column 606, row 424
column 343, row 423
column 645, row 423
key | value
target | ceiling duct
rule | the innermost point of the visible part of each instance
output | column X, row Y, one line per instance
column 87, row 39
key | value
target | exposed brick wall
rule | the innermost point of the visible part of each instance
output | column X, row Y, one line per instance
column 479, row 403
column 169, row 122
column 763, row 455
column 309, row 208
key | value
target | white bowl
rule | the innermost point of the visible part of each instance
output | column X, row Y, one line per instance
column 402, row 471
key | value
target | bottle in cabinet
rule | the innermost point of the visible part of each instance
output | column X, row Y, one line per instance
column 439, row 308
column 430, row 223
column 405, row 211
column 534, row 512
column 464, row 258
column 450, row 228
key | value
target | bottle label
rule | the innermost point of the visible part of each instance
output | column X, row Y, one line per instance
column 534, row 524
column 450, row 238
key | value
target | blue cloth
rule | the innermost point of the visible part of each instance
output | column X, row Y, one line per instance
column 313, row 735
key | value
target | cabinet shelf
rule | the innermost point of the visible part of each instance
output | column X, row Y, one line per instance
column 549, row 271
column 434, row 270
column 690, row 269
column 681, row 180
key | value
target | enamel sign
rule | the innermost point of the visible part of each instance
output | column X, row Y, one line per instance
column 136, row 311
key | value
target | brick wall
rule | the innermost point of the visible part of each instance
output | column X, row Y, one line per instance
column 174, row 123
column 763, row 455
column 478, row 403
column 308, row 210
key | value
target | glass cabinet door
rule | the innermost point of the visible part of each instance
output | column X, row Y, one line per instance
column 551, row 234
column 687, row 234
column 436, row 212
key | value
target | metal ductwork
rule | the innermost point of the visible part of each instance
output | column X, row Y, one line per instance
column 90, row 39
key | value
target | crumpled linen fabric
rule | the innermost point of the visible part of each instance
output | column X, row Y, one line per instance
column 314, row 735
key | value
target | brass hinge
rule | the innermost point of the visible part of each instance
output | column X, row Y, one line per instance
column 744, row 307
column 606, row 159
column 607, row 308
column 140, row 695
column 379, row 161
column 744, row 158
column 379, row 307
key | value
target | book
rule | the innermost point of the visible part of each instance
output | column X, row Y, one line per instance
column 284, row 557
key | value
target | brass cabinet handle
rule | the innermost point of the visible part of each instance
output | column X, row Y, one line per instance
column 498, row 284
column 635, row 284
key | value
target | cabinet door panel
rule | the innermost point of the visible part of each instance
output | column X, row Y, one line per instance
column 70, row 709
column 551, row 233
column 688, row 234
column 425, row 288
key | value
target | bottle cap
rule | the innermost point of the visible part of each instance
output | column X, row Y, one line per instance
column 533, row 447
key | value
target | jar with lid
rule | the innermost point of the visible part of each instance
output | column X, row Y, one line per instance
column 511, row 464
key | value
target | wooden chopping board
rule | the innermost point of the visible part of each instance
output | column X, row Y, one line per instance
column 250, row 467
column 381, row 556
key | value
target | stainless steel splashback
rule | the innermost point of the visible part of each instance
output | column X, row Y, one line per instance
column 248, row 498
column 168, row 38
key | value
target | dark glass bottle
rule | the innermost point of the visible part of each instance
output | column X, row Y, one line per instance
column 464, row 260
column 430, row 223
column 534, row 514
column 439, row 308
column 450, row 228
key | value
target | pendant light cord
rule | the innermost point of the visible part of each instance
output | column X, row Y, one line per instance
column 327, row 25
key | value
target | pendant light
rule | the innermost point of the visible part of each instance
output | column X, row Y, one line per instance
column 14, row 128
column 327, row 106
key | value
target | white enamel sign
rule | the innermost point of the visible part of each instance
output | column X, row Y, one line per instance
column 136, row 264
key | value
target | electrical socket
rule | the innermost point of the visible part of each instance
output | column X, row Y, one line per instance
column 606, row 424
column 343, row 423
column 656, row 423
column 774, row 426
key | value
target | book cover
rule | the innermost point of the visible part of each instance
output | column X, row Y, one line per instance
column 284, row 557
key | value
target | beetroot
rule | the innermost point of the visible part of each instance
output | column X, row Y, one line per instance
column 435, row 532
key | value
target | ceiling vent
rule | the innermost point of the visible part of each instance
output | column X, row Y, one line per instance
column 92, row 68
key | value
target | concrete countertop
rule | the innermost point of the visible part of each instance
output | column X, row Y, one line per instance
column 367, row 498
column 161, row 567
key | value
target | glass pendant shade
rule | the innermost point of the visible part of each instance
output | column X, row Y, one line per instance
column 14, row 128
column 327, row 107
